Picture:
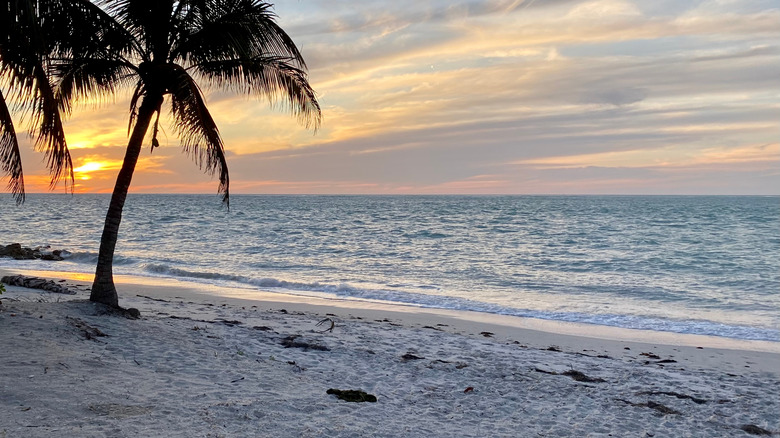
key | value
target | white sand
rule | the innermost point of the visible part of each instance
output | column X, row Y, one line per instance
column 181, row 371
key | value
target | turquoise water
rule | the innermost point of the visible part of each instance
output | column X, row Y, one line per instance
column 701, row 265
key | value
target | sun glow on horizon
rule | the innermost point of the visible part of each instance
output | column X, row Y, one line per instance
column 82, row 172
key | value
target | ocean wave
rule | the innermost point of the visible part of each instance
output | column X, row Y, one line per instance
column 90, row 258
column 345, row 290
column 426, row 234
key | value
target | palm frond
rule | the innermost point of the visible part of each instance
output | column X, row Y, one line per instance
column 33, row 32
column 10, row 156
column 50, row 136
column 270, row 77
column 137, row 93
column 231, row 29
column 88, row 77
column 36, row 98
column 197, row 130
column 148, row 21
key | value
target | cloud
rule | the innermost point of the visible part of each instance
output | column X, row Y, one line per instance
column 504, row 96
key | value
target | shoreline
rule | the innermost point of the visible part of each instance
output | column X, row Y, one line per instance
column 699, row 351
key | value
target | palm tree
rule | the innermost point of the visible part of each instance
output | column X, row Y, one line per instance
column 26, row 49
column 34, row 35
column 233, row 44
column 158, row 47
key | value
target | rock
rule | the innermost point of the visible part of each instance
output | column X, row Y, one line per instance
column 36, row 283
column 18, row 252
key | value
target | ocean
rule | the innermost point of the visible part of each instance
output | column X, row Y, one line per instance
column 707, row 265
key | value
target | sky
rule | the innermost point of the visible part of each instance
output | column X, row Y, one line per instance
column 488, row 97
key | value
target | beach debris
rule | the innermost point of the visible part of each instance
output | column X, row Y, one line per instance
column 36, row 283
column 487, row 334
column 228, row 322
column 696, row 400
column 352, row 395
column 237, row 380
column 153, row 299
column 574, row 374
column 652, row 405
column 755, row 430
column 184, row 317
column 292, row 342
column 468, row 390
column 329, row 329
column 554, row 348
column 18, row 252
column 89, row 332
column 432, row 328
column 410, row 356
column 297, row 368
column 581, row 377
column 650, row 355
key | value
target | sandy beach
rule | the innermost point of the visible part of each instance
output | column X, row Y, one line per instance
column 201, row 364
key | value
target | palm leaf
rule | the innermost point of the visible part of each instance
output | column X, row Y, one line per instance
column 197, row 130
column 270, row 77
column 10, row 156
column 147, row 22
column 23, row 59
column 89, row 77
column 50, row 138
column 231, row 29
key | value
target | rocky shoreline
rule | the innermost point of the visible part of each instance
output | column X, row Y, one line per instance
column 18, row 252
column 37, row 283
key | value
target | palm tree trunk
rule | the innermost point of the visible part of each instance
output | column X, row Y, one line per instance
column 103, row 289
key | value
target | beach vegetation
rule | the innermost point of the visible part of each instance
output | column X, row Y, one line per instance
column 55, row 52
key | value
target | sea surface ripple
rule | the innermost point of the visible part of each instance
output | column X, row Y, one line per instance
column 686, row 264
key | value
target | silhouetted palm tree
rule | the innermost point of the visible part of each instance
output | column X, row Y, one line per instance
column 234, row 44
column 160, row 47
column 33, row 33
